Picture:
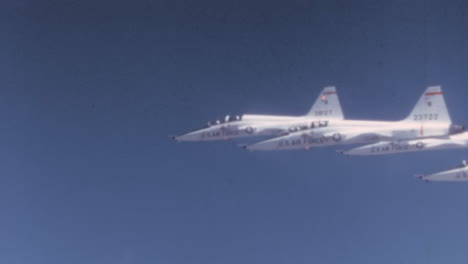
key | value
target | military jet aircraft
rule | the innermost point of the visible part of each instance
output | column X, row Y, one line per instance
column 457, row 174
column 326, row 106
column 428, row 119
column 415, row 145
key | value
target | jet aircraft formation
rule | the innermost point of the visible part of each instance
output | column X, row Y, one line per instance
column 427, row 127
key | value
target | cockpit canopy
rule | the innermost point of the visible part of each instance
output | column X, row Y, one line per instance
column 226, row 119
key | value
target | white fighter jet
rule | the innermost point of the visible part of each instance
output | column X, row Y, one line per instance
column 457, row 174
column 327, row 106
column 428, row 119
column 415, row 145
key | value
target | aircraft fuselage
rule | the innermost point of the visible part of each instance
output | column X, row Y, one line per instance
column 252, row 125
column 352, row 132
column 414, row 145
column 458, row 174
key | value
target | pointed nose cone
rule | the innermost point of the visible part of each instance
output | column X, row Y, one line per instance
column 432, row 177
column 346, row 152
column 341, row 151
column 360, row 151
column 422, row 177
column 263, row 145
column 193, row 136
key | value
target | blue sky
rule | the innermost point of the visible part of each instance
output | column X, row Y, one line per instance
column 90, row 91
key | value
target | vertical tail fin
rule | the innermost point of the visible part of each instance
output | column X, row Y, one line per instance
column 327, row 105
column 430, row 107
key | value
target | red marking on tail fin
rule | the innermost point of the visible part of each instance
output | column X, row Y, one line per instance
column 433, row 93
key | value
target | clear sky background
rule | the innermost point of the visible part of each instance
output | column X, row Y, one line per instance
column 90, row 91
